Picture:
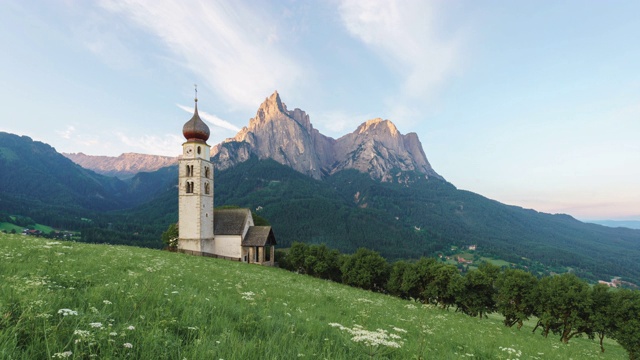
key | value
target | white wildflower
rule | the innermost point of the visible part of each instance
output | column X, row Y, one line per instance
column 96, row 325
column 127, row 345
column 66, row 312
column 131, row 327
column 376, row 338
column 62, row 355
column 248, row 295
column 107, row 302
column 82, row 333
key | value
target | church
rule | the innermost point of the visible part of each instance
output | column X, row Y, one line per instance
column 223, row 233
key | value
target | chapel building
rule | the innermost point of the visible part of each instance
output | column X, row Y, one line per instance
column 203, row 231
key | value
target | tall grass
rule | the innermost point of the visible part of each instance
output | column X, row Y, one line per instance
column 127, row 302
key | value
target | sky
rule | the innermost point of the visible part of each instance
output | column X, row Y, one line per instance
column 531, row 103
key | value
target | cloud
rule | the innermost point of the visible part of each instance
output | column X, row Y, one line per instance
column 234, row 47
column 211, row 118
column 66, row 134
column 406, row 34
column 151, row 144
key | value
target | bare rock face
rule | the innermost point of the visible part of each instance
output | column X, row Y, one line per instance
column 282, row 135
column 124, row 166
column 378, row 148
column 287, row 136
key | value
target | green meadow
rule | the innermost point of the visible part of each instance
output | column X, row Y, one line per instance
column 9, row 226
column 81, row 301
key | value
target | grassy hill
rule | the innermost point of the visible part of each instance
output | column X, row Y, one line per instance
column 61, row 299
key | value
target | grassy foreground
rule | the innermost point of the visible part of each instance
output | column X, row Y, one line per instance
column 80, row 301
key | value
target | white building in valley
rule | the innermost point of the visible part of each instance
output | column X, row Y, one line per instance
column 224, row 233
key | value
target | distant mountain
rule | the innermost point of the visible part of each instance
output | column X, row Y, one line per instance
column 287, row 136
column 124, row 166
column 37, row 181
column 32, row 169
column 630, row 224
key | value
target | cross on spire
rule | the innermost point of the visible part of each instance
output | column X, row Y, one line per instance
column 196, row 87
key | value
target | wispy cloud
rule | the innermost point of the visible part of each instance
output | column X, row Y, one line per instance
column 66, row 133
column 150, row 144
column 211, row 118
column 234, row 47
column 406, row 35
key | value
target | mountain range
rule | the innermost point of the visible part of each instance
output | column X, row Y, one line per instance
column 287, row 136
column 124, row 166
column 373, row 187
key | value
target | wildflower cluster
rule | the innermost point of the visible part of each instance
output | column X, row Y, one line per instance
column 62, row 355
column 511, row 351
column 248, row 295
column 379, row 337
column 66, row 312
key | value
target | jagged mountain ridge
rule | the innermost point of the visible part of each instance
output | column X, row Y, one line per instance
column 124, row 166
column 287, row 136
column 376, row 147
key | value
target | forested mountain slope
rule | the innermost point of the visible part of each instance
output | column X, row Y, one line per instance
column 349, row 210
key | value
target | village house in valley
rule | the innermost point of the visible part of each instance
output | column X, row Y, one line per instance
column 223, row 233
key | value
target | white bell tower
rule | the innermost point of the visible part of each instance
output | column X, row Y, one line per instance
column 195, row 187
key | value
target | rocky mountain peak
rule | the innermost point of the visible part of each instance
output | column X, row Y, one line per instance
column 271, row 106
column 287, row 136
column 378, row 126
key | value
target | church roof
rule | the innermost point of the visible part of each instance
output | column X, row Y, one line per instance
column 234, row 221
column 230, row 221
column 259, row 236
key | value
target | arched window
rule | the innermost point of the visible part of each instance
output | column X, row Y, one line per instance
column 198, row 150
column 206, row 188
column 189, row 187
column 188, row 170
column 206, row 172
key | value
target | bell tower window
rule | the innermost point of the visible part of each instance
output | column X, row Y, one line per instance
column 199, row 150
column 189, row 187
column 206, row 188
column 206, row 172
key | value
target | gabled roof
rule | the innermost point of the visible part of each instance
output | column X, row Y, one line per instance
column 259, row 236
column 230, row 221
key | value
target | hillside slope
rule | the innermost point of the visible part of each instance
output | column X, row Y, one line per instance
column 116, row 302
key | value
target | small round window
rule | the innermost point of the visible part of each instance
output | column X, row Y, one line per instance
column 198, row 150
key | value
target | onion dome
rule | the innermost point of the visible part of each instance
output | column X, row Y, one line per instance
column 195, row 129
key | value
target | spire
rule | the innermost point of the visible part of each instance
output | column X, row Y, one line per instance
column 196, row 129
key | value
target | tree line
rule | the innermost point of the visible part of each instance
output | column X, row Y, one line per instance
column 563, row 305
